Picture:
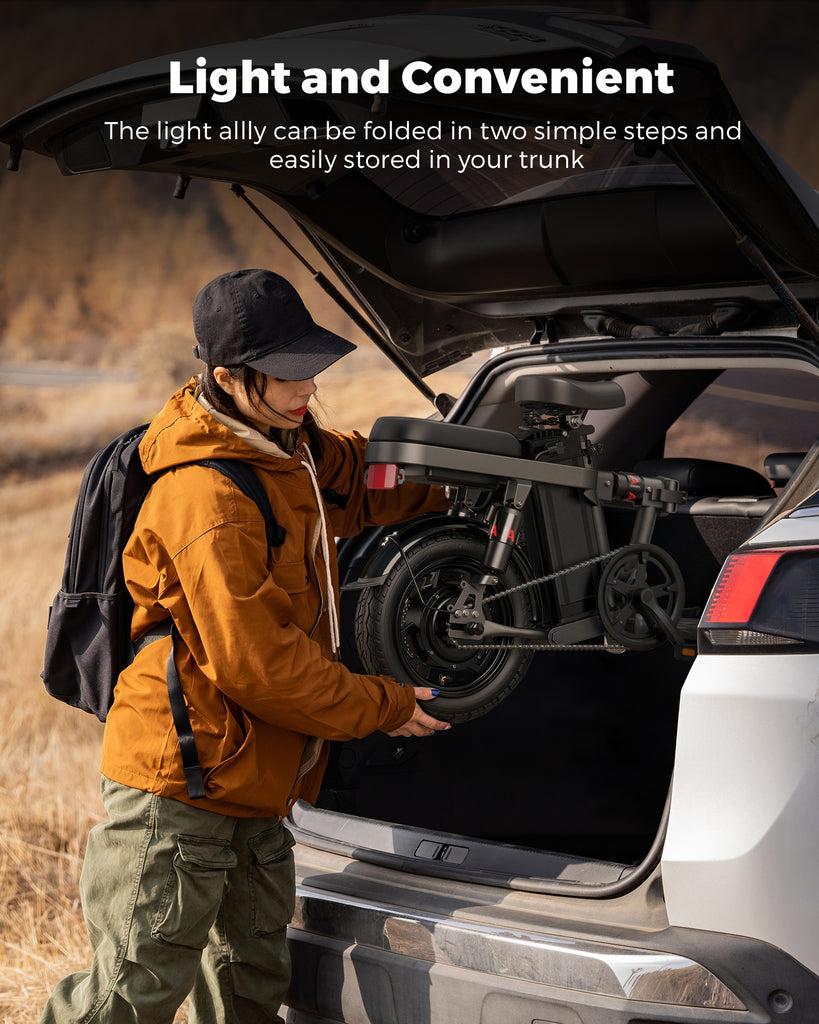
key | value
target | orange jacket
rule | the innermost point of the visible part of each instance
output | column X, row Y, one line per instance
column 255, row 656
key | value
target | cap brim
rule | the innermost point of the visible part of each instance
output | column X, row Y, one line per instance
column 305, row 357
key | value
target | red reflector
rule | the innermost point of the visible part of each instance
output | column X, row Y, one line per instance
column 738, row 588
column 382, row 476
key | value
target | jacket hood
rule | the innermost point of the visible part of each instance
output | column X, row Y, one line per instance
column 185, row 431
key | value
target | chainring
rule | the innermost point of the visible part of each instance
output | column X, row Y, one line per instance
column 634, row 570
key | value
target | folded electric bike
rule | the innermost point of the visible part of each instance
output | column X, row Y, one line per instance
column 522, row 562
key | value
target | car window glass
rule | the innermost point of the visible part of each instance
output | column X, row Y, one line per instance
column 503, row 171
column 747, row 414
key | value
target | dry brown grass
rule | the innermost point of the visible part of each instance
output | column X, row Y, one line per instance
column 48, row 781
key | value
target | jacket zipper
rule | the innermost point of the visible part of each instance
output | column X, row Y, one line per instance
column 303, row 769
column 321, row 595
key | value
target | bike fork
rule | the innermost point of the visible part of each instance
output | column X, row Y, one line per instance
column 505, row 524
column 467, row 616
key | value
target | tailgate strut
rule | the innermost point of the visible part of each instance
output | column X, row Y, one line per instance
column 330, row 289
column 752, row 253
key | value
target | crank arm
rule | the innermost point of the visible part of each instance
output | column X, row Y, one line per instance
column 655, row 613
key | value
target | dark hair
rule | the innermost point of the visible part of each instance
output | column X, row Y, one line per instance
column 252, row 382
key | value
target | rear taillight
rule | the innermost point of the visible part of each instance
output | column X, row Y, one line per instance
column 764, row 599
column 382, row 476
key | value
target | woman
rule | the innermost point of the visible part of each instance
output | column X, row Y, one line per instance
column 168, row 877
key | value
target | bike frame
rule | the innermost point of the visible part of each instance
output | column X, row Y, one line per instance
column 557, row 504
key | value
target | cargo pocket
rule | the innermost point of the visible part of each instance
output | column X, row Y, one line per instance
column 272, row 881
column 193, row 892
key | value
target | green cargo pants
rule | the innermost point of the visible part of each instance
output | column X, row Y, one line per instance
column 180, row 900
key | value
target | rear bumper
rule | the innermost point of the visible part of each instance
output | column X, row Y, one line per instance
column 742, row 850
column 363, row 961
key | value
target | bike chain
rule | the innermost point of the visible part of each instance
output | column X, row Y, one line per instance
column 522, row 645
column 554, row 575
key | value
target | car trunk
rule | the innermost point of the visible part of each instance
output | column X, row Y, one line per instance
column 563, row 786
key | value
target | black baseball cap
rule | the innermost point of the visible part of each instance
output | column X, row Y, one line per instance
column 257, row 318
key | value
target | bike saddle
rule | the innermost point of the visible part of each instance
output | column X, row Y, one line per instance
column 533, row 391
column 445, row 435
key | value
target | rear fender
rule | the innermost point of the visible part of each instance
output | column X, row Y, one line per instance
column 388, row 552
column 404, row 538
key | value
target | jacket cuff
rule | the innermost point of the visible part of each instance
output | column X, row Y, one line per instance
column 400, row 706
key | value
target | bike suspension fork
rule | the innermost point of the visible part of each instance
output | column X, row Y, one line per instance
column 505, row 525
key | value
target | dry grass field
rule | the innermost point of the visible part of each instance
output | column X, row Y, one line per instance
column 49, row 783
column 49, row 753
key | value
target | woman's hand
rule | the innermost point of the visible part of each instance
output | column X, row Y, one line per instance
column 421, row 724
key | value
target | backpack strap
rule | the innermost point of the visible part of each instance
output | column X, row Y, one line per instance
column 182, row 723
column 179, row 711
column 249, row 484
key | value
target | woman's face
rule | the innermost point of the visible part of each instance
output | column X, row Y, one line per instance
column 283, row 406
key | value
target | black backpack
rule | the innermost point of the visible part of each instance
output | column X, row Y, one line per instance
column 88, row 642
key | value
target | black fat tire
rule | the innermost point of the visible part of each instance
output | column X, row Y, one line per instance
column 399, row 635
